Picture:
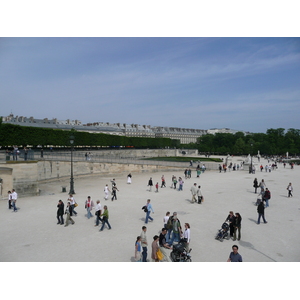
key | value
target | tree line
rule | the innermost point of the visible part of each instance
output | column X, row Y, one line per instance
column 24, row 135
column 273, row 142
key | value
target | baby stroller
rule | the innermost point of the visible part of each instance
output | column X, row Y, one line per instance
column 179, row 252
column 223, row 232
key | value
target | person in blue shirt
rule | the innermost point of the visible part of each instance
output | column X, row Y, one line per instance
column 149, row 209
column 234, row 256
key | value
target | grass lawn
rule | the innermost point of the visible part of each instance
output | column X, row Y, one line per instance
column 184, row 159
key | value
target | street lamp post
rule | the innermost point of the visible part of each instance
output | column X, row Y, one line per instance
column 72, row 192
column 251, row 171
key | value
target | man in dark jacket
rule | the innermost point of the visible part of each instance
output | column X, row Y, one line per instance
column 60, row 212
column 261, row 212
column 267, row 196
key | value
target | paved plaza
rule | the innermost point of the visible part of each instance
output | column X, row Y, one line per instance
column 32, row 235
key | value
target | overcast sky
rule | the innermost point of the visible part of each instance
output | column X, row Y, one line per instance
column 249, row 84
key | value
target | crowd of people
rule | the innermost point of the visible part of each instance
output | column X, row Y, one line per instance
column 172, row 230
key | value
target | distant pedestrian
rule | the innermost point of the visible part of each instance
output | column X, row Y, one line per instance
column 199, row 195
column 262, row 186
column 261, row 212
column 144, row 243
column 9, row 200
column 156, row 187
column 180, row 181
column 194, row 193
column 234, row 256
column 174, row 182
column 154, row 248
column 60, row 212
column 106, row 192
column 89, row 204
column 129, row 176
column 177, row 230
column 290, row 190
column 138, row 249
column 267, row 197
column 163, row 181
column 149, row 209
column 255, row 185
column 105, row 216
column 69, row 213
column 14, row 198
column 150, row 184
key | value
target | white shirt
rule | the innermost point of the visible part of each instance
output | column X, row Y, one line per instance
column 98, row 207
column 14, row 196
column 187, row 235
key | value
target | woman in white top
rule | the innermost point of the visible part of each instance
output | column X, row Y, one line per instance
column 166, row 218
column 187, row 235
column 106, row 191
column 129, row 178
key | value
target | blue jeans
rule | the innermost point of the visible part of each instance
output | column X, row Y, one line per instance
column 105, row 220
column 89, row 214
column 148, row 217
column 267, row 202
column 144, row 254
column 168, row 235
column 13, row 203
column 175, row 237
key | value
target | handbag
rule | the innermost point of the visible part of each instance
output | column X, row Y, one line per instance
column 159, row 254
column 75, row 204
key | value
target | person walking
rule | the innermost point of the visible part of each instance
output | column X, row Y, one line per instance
column 9, row 200
column 262, row 186
column 234, row 256
column 267, row 197
column 290, row 190
column 261, row 212
column 199, row 195
column 98, row 211
column 106, row 191
column 73, row 202
column 60, row 212
column 69, row 213
column 163, row 181
column 114, row 193
column 154, row 248
column 149, row 209
column 255, row 185
column 194, row 193
column 163, row 245
column 237, row 226
column 144, row 244
column 180, row 181
column 138, row 249
column 89, row 204
column 150, row 183
column 105, row 216
column 14, row 198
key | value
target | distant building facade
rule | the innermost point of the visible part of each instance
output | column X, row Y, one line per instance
column 185, row 135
